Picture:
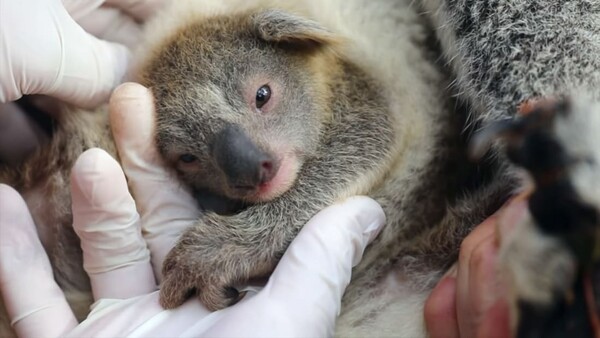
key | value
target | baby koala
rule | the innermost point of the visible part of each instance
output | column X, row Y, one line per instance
column 275, row 116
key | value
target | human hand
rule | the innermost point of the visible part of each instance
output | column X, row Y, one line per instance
column 45, row 51
column 302, row 297
column 165, row 206
column 471, row 299
column 312, row 274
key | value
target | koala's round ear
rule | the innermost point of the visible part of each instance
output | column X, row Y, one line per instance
column 278, row 26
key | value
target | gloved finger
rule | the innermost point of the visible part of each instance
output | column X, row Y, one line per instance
column 35, row 304
column 314, row 272
column 112, row 24
column 90, row 68
column 115, row 255
column 138, row 9
column 76, row 67
column 79, row 9
column 165, row 207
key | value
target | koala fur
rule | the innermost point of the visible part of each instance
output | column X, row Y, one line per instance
column 375, row 133
column 368, row 110
column 504, row 52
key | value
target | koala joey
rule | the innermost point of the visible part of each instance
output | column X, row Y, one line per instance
column 270, row 113
column 277, row 116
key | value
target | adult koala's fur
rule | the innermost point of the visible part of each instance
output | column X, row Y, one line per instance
column 367, row 110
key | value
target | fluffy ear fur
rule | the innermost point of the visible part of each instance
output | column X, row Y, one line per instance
column 281, row 27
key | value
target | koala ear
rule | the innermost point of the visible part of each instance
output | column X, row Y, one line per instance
column 279, row 26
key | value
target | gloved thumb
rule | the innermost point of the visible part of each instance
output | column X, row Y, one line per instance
column 36, row 305
column 316, row 269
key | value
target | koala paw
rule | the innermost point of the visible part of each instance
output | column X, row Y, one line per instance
column 211, row 275
column 213, row 260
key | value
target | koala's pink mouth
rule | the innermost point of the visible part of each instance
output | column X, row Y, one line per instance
column 281, row 182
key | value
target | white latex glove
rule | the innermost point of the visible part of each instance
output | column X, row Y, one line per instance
column 44, row 51
column 302, row 297
column 165, row 206
column 113, row 20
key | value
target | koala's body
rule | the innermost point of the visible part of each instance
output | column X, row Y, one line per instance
column 337, row 123
column 277, row 112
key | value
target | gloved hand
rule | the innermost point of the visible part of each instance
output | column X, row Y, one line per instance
column 302, row 297
column 166, row 208
column 45, row 51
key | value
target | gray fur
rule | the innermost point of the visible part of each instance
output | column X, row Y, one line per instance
column 355, row 140
column 500, row 53
column 506, row 51
column 356, row 132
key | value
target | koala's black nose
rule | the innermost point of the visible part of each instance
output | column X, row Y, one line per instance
column 245, row 165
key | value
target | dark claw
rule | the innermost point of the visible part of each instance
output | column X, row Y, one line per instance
column 234, row 295
column 483, row 140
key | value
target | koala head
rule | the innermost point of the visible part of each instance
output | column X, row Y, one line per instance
column 241, row 101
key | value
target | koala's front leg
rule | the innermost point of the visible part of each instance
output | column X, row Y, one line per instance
column 505, row 52
column 220, row 253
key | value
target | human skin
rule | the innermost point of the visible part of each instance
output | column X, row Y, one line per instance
column 470, row 300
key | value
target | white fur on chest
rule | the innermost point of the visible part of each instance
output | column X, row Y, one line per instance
column 392, row 309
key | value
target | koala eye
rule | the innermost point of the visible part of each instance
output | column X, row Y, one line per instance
column 187, row 158
column 263, row 94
